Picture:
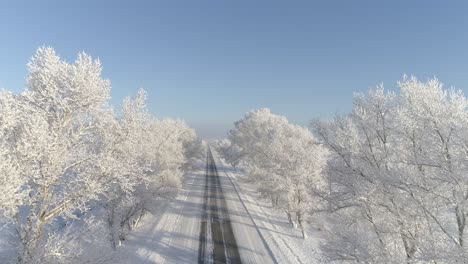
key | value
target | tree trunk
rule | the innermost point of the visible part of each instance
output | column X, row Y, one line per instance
column 122, row 232
column 110, row 223
column 140, row 215
column 300, row 221
column 290, row 219
column 409, row 245
column 288, row 212
column 30, row 239
column 461, row 222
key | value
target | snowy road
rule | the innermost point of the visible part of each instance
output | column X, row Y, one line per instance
column 206, row 223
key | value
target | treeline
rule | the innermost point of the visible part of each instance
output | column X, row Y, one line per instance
column 75, row 175
column 390, row 178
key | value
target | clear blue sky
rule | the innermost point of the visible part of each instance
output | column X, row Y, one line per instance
column 209, row 62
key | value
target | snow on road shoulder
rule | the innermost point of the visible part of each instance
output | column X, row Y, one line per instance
column 285, row 242
column 250, row 243
column 169, row 234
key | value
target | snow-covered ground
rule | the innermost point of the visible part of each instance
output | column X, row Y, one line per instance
column 169, row 235
column 285, row 242
column 263, row 235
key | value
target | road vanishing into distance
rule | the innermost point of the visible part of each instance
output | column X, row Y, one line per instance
column 227, row 231
column 215, row 223
column 207, row 223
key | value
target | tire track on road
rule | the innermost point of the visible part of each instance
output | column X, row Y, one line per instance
column 215, row 223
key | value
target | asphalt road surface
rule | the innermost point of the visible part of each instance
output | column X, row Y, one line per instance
column 215, row 221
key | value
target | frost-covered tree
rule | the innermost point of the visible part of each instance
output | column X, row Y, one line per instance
column 155, row 152
column 284, row 159
column 64, row 152
column 396, row 176
column 13, row 190
column 433, row 124
column 126, row 157
column 168, row 142
column 57, row 142
column 359, row 173
column 231, row 153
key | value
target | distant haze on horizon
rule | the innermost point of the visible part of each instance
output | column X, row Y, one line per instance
column 211, row 131
column 209, row 62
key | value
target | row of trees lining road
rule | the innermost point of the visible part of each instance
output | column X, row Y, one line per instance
column 67, row 161
column 284, row 159
column 394, row 188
